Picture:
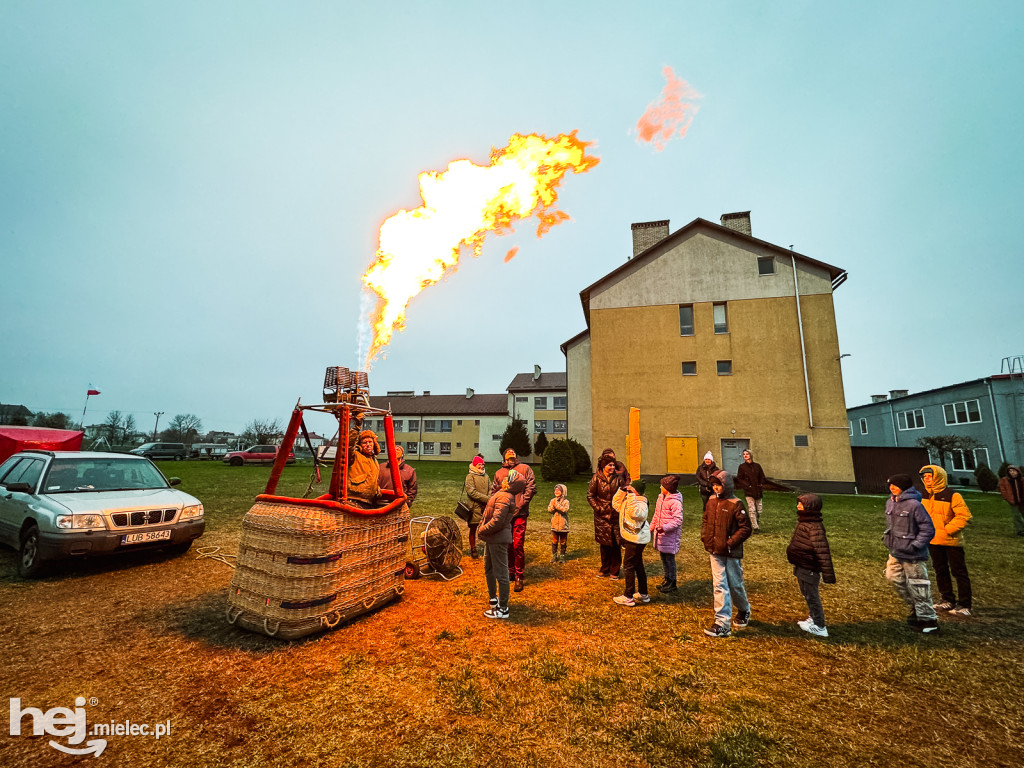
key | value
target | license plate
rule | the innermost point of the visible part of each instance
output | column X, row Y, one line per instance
column 142, row 538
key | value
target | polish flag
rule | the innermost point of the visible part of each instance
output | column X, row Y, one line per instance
column 92, row 392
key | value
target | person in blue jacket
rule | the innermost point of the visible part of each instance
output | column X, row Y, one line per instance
column 908, row 529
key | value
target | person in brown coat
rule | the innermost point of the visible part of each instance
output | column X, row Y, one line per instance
column 750, row 479
column 602, row 488
column 363, row 469
column 724, row 528
column 406, row 473
column 516, row 550
column 1012, row 489
column 476, row 487
column 811, row 558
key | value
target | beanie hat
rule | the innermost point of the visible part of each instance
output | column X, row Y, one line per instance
column 510, row 453
column 901, row 481
column 709, row 456
column 603, row 462
column 607, row 452
column 512, row 476
column 670, row 483
column 477, row 461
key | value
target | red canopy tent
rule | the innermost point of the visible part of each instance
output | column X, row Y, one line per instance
column 14, row 439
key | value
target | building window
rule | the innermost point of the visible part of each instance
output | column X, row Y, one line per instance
column 458, row 445
column 429, row 425
column 458, row 423
column 398, row 425
column 766, row 265
column 496, row 438
column 686, row 319
column 558, row 427
column 522, row 399
column 689, row 368
column 721, row 319
column 446, row 449
column 428, row 449
column 561, row 403
column 476, row 446
column 801, row 441
column 910, row 419
column 540, row 426
column 446, row 425
column 476, row 422
column 863, row 426
column 725, row 367
column 414, row 425
column 850, row 424
column 968, row 461
column 412, row 448
column 540, row 403
column 379, row 423
column 966, row 412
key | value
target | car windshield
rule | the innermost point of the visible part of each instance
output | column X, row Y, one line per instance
column 101, row 474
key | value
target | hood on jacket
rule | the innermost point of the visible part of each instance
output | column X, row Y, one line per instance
column 812, row 507
column 517, row 486
column 565, row 491
column 910, row 493
column 939, row 477
column 728, row 485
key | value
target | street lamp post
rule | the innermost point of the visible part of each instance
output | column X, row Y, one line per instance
column 158, row 414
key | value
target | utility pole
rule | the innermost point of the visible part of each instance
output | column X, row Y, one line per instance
column 158, row 414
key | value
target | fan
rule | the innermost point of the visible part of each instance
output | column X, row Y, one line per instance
column 437, row 548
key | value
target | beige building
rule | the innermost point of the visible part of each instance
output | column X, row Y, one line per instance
column 724, row 342
column 539, row 399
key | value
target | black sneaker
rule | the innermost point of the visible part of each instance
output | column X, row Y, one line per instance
column 928, row 626
column 742, row 619
column 718, row 630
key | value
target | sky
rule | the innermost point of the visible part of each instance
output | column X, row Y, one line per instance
column 190, row 191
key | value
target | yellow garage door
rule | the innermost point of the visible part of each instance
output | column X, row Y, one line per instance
column 682, row 454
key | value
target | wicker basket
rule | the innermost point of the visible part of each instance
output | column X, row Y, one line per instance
column 304, row 568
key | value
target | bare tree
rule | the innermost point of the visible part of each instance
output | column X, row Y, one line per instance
column 940, row 445
column 260, row 431
column 112, row 426
column 128, row 429
column 183, row 428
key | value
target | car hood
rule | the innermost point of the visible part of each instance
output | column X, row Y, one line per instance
column 93, row 501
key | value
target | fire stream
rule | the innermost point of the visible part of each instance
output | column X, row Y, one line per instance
column 460, row 206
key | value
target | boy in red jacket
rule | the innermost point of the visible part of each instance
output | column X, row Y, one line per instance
column 723, row 530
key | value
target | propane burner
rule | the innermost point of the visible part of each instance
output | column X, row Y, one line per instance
column 344, row 386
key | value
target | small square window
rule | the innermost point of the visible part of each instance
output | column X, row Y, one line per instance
column 689, row 368
column 725, row 367
column 766, row 265
column 476, row 422
column 458, row 445
column 540, row 403
column 458, row 423
column 801, row 441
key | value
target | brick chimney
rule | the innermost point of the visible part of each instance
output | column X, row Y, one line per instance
column 647, row 233
column 879, row 398
column 894, row 393
column 739, row 221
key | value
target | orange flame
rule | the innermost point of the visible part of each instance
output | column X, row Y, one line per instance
column 670, row 114
column 460, row 206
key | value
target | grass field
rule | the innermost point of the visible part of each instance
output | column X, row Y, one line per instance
column 571, row 680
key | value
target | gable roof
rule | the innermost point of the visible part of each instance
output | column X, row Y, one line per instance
column 564, row 346
column 442, row 405
column 524, row 382
column 837, row 274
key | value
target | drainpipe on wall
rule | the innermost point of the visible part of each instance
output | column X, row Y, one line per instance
column 803, row 350
column 892, row 418
column 995, row 420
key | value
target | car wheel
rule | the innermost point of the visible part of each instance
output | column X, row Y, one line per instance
column 235, row 461
column 178, row 458
column 30, row 563
column 178, row 549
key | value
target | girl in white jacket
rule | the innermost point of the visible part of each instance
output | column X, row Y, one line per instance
column 631, row 505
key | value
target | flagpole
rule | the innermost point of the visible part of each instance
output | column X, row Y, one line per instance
column 88, row 394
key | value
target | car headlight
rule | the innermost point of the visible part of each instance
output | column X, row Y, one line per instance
column 89, row 521
column 194, row 510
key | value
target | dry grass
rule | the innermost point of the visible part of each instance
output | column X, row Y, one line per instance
column 571, row 680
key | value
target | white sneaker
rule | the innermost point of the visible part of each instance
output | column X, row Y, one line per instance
column 623, row 600
column 808, row 622
column 638, row 598
column 497, row 613
column 965, row 612
column 814, row 629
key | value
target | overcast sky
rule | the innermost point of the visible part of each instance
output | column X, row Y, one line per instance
column 190, row 191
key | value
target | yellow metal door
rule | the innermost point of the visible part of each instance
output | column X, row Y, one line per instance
column 682, row 454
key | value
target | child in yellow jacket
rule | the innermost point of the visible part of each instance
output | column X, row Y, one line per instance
column 950, row 515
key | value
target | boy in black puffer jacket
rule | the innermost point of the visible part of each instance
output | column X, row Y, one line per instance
column 809, row 553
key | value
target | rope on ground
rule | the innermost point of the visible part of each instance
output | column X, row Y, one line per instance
column 213, row 553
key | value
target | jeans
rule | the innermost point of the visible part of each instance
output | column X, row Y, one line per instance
column 668, row 564
column 516, row 554
column 754, row 510
column 496, row 572
column 910, row 580
column 633, row 564
column 727, row 577
column 808, row 581
column 947, row 558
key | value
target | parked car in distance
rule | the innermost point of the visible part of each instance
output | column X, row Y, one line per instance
column 175, row 451
column 63, row 504
column 257, row 454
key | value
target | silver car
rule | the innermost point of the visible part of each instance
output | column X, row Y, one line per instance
column 61, row 504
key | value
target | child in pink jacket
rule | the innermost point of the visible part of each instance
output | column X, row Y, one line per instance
column 667, row 527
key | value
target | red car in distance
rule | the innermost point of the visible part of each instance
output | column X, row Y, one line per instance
column 257, row 454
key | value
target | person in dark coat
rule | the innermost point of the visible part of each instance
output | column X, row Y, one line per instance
column 811, row 558
column 495, row 532
column 620, row 468
column 705, row 475
column 908, row 530
column 750, row 479
column 1011, row 488
column 476, row 490
column 603, row 485
column 723, row 529
column 406, row 473
column 516, row 550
